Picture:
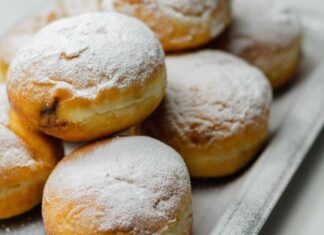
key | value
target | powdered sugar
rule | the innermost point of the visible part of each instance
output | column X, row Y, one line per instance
column 181, row 10
column 4, row 105
column 89, row 53
column 76, row 7
column 193, row 8
column 214, row 94
column 13, row 151
column 194, row 11
column 257, row 21
column 137, row 183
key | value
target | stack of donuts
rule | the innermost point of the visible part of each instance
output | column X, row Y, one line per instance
column 188, row 83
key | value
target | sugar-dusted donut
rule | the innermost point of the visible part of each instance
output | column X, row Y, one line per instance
column 124, row 185
column 88, row 76
column 266, row 36
column 215, row 113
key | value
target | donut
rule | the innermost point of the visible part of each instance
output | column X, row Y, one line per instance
column 123, row 185
column 88, row 76
column 26, row 160
column 215, row 113
column 272, row 42
column 179, row 24
column 20, row 35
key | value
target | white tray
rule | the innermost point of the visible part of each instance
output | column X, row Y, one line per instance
column 241, row 204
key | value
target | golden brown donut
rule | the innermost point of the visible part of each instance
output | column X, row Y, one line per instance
column 179, row 24
column 88, row 76
column 215, row 113
column 124, row 185
column 26, row 160
column 272, row 42
column 20, row 35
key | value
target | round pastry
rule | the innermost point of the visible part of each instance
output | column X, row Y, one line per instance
column 272, row 43
column 215, row 115
column 16, row 38
column 180, row 24
column 84, row 77
column 124, row 185
column 26, row 160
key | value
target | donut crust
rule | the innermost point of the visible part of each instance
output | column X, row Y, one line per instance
column 3, row 71
column 52, row 116
column 278, row 64
column 221, row 157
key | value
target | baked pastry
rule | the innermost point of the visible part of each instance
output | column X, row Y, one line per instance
column 179, row 25
column 272, row 43
column 26, row 160
column 88, row 76
column 124, row 185
column 215, row 113
column 20, row 35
